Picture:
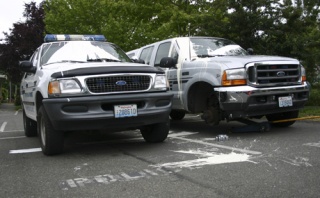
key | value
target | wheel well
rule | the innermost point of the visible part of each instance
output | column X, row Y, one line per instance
column 198, row 95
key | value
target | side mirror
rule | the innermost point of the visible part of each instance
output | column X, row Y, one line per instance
column 27, row 66
column 250, row 51
column 168, row 62
column 135, row 59
column 138, row 61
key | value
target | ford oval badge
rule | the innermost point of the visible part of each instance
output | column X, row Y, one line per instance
column 281, row 74
column 121, row 82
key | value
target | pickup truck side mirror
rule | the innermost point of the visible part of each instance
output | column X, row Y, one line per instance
column 250, row 51
column 135, row 59
column 27, row 66
column 138, row 61
column 168, row 62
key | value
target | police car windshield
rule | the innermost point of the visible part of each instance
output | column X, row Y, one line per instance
column 81, row 51
column 212, row 47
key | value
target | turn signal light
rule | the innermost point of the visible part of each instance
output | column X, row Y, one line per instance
column 232, row 82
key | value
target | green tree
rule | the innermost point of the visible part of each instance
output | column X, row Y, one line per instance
column 24, row 39
column 128, row 23
column 295, row 33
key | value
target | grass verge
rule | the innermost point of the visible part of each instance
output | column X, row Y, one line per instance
column 310, row 111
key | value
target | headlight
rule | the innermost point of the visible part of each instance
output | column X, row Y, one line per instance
column 65, row 86
column 161, row 82
column 234, row 77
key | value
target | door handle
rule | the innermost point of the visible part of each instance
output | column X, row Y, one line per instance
column 185, row 73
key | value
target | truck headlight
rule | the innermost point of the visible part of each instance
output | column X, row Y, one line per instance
column 161, row 82
column 63, row 86
column 234, row 77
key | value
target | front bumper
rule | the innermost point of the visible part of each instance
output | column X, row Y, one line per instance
column 97, row 112
column 247, row 101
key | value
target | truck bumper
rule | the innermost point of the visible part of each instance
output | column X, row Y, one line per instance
column 247, row 101
column 97, row 112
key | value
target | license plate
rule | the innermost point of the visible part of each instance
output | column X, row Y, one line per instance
column 121, row 111
column 285, row 101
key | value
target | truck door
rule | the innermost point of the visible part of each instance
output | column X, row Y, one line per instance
column 170, row 49
column 28, row 85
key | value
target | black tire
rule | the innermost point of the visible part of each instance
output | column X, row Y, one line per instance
column 51, row 140
column 177, row 115
column 283, row 116
column 29, row 125
column 155, row 133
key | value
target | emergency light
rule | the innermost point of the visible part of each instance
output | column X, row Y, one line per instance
column 73, row 37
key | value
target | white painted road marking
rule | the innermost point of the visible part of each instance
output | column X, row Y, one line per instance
column 13, row 131
column 176, row 136
column 7, row 138
column 25, row 151
column 208, row 159
column 3, row 126
column 317, row 144
column 16, row 113
column 108, row 178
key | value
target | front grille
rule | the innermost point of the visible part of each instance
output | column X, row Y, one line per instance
column 121, row 83
column 273, row 74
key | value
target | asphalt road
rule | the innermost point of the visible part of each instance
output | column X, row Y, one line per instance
column 282, row 162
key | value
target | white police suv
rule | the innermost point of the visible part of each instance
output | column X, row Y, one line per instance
column 82, row 82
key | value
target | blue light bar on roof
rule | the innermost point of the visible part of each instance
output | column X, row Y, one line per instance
column 73, row 37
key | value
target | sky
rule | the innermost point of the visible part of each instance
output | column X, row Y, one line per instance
column 11, row 12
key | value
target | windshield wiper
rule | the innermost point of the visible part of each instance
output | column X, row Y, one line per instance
column 65, row 61
column 103, row 60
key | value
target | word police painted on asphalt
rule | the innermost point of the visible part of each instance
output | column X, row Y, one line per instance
column 108, row 178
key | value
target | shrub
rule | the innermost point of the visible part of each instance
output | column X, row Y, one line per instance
column 314, row 99
column 4, row 95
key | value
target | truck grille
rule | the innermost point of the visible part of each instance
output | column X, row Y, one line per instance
column 123, row 83
column 274, row 74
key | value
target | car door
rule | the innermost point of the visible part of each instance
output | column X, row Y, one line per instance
column 28, row 89
column 170, row 49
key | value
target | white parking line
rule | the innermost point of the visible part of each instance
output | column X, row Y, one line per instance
column 3, row 126
column 215, row 145
column 171, row 135
column 7, row 138
column 25, row 150
column 21, row 130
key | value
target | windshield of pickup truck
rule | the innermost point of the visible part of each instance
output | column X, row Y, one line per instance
column 211, row 47
column 81, row 52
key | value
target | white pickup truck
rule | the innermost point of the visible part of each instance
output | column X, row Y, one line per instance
column 221, row 80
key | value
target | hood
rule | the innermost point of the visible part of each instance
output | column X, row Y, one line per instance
column 93, row 68
column 241, row 61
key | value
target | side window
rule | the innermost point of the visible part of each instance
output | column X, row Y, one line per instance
column 34, row 58
column 174, row 54
column 131, row 55
column 163, row 51
column 146, row 54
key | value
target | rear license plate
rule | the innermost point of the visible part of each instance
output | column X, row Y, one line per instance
column 285, row 101
column 121, row 111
